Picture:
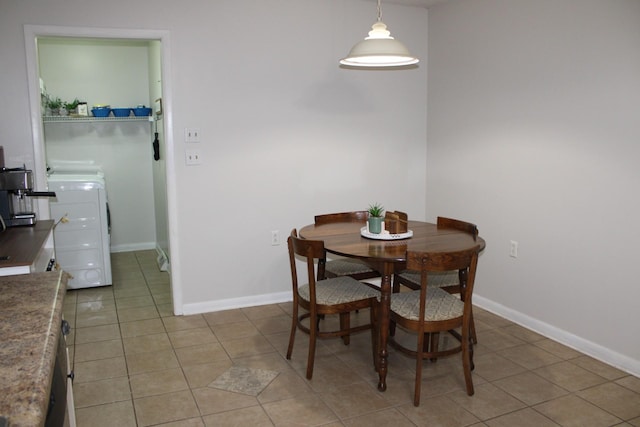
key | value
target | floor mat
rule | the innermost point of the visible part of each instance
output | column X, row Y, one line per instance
column 244, row 380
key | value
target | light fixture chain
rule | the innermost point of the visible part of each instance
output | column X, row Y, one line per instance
column 379, row 10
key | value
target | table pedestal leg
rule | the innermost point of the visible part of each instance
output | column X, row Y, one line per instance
column 383, row 324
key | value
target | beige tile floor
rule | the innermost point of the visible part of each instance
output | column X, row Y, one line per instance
column 138, row 365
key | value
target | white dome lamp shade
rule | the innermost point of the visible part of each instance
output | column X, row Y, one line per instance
column 379, row 49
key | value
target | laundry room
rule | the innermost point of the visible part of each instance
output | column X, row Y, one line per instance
column 82, row 79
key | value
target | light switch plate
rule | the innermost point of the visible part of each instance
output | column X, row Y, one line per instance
column 192, row 157
column 191, row 135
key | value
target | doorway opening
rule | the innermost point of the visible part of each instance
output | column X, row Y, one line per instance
column 141, row 59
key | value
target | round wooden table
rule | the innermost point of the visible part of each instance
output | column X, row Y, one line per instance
column 387, row 257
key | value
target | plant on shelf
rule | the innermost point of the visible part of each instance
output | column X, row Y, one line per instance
column 54, row 105
column 71, row 106
column 376, row 212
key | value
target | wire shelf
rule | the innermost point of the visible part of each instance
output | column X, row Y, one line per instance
column 83, row 119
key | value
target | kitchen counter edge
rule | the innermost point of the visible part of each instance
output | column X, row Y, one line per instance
column 30, row 326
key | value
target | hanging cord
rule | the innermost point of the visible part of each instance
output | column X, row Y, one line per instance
column 156, row 142
column 379, row 10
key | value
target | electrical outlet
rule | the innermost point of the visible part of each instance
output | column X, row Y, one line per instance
column 192, row 157
column 513, row 249
column 191, row 135
column 275, row 238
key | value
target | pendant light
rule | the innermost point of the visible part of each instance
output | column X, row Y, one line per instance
column 379, row 49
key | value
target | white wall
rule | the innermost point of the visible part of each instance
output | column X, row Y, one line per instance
column 123, row 149
column 113, row 72
column 533, row 130
column 116, row 73
column 286, row 133
column 159, row 166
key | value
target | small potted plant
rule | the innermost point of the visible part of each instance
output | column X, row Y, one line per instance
column 71, row 106
column 376, row 216
column 54, row 105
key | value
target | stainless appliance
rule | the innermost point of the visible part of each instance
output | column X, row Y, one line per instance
column 16, row 190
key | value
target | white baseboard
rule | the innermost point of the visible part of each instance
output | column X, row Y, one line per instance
column 231, row 303
column 582, row 345
column 575, row 342
column 130, row 247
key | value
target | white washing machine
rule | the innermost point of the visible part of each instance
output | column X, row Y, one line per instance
column 82, row 239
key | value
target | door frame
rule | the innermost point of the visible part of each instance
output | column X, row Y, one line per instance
column 32, row 33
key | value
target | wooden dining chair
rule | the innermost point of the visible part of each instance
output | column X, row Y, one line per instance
column 431, row 311
column 337, row 295
column 337, row 267
column 450, row 281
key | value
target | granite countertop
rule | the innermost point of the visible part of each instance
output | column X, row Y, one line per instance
column 30, row 320
column 22, row 244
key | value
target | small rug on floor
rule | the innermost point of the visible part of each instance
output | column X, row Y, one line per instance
column 244, row 380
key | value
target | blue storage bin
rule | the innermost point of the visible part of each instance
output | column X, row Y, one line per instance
column 121, row 112
column 100, row 111
column 142, row 111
